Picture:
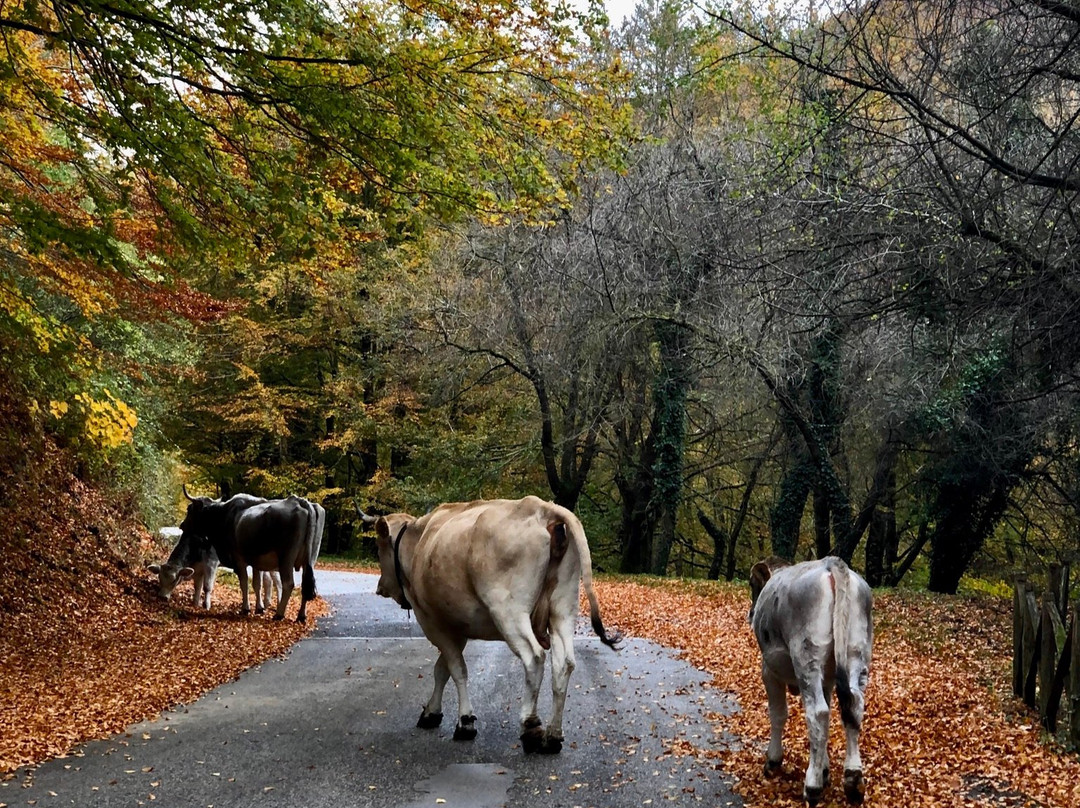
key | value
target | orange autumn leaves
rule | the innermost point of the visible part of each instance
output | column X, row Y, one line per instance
column 941, row 726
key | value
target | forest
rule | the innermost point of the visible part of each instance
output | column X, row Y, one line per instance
column 728, row 279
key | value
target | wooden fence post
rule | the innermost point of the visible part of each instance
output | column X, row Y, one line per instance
column 1074, row 680
column 1063, row 594
column 1019, row 604
column 1053, row 641
column 1055, row 586
column 1032, row 638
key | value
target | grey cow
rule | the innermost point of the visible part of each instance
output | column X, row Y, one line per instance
column 265, row 535
column 813, row 624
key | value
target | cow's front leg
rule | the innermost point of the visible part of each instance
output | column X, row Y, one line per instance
column 431, row 716
column 257, row 588
column 452, row 651
column 778, row 714
column 816, row 712
column 208, row 591
column 242, row 576
column 777, row 691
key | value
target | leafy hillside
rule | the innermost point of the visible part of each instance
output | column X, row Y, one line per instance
column 85, row 646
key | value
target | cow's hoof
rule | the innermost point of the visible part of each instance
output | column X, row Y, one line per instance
column 279, row 617
column 260, row 610
column 772, row 768
column 301, row 619
column 812, row 795
column 854, row 787
column 245, row 612
column 429, row 720
column 466, row 728
column 532, row 739
column 551, row 746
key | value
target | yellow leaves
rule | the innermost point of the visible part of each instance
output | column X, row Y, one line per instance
column 332, row 202
column 108, row 422
column 58, row 409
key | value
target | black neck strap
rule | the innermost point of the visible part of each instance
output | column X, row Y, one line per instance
column 397, row 567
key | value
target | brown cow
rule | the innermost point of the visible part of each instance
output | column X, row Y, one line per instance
column 493, row 570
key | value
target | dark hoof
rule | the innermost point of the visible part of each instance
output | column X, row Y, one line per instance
column 260, row 610
column 301, row 618
column 466, row 728
column 429, row 720
column 812, row 795
column 279, row 617
column 245, row 612
column 772, row 768
column 532, row 737
column 854, row 787
column 551, row 746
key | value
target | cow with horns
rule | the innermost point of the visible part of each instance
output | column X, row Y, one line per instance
column 245, row 531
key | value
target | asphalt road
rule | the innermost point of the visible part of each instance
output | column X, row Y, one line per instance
column 333, row 724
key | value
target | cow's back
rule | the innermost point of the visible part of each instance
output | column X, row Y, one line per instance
column 794, row 611
column 270, row 532
column 471, row 556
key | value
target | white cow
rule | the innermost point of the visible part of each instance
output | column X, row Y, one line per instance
column 813, row 625
column 493, row 570
column 190, row 558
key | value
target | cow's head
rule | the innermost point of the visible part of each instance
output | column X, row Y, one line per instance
column 169, row 575
column 388, row 529
column 760, row 574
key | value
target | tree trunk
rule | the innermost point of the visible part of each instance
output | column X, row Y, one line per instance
column 786, row 516
column 636, row 530
column 719, row 540
column 822, row 514
column 669, row 439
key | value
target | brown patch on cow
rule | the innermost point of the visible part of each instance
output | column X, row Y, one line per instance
column 541, row 613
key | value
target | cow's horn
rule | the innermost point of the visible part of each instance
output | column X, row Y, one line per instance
column 367, row 520
column 186, row 494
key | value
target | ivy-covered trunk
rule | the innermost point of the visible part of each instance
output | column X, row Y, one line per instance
column 636, row 529
column 669, row 438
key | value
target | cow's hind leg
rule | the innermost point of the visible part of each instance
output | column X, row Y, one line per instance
column 287, row 587
column 431, row 716
column 518, row 632
column 816, row 712
column 562, row 665
column 854, row 787
column 778, row 714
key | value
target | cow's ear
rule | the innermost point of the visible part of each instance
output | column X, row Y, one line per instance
column 154, row 568
column 186, row 572
column 760, row 573
column 382, row 529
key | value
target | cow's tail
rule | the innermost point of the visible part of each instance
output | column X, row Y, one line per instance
column 841, row 617
column 581, row 544
column 307, row 581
